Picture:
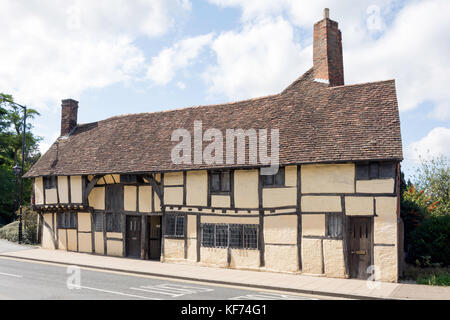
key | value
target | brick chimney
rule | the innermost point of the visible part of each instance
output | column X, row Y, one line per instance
column 328, row 61
column 69, row 116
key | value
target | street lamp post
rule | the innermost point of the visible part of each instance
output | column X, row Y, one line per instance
column 20, row 169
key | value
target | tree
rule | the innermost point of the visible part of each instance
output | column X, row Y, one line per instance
column 11, row 128
column 433, row 177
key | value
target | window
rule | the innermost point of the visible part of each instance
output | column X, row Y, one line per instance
column 250, row 237
column 50, row 182
column 221, row 236
column 375, row 170
column 276, row 180
column 114, row 198
column 387, row 170
column 208, row 231
column 175, row 225
column 98, row 222
column 220, row 181
column 114, row 222
column 67, row 220
column 236, row 236
column 130, row 178
column 334, row 225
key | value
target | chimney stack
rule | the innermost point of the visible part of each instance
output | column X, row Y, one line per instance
column 328, row 60
column 69, row 116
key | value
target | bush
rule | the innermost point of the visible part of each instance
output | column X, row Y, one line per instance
column 430, row 242
column 10, row 232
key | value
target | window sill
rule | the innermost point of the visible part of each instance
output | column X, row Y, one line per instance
column 221, row 193
column 276, row 187
column 174, row 237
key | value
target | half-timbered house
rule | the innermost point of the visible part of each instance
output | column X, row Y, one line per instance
column 110, row 187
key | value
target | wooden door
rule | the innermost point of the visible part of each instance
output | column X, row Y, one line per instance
column 133, row 236
column 154, row 236
column 359, row 246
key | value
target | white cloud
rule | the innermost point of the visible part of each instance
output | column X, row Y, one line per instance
column 164, row 66
column 437, row 142
column 260, row 59
column 382, row 40
column 52, row 49
column 181, row 85
column 414, row 51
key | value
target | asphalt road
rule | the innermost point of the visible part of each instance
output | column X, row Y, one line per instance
column 38, row 281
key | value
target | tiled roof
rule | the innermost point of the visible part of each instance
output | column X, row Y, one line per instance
column 317, row 123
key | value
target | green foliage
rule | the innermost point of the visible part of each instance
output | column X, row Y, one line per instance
column 440, row 279
column 430, row 242
column 433, row 275
column 10, row 232
column 11, row 133
column 415, row 206
column 433, row 177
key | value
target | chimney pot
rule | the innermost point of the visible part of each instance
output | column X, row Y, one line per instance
column 69, row 116
column 326, row 13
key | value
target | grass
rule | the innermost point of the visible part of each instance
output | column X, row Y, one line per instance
column 434, row 276
column 441, row 279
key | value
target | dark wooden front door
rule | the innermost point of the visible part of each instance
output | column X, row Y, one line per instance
column 133, row 238
column 154, row 236
column 359, row 246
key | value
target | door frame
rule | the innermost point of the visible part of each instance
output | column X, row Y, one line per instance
column 147, row 236
column 348, row 238
column 127, row 216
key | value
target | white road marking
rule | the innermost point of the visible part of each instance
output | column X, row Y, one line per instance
column 118, row 293
column 269, row 296
column 173, row 290
column 10, row 275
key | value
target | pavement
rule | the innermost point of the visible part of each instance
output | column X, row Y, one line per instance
column 6, row 246
column 293, row 283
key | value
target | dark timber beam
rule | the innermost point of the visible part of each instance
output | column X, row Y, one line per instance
column 155, row 185
column 89, row 188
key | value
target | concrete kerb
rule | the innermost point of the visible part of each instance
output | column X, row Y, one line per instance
column 212, row 281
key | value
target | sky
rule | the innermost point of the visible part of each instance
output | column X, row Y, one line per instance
column 131, row 56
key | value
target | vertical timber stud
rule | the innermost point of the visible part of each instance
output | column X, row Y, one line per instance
column 143, row 236
column 208, row 197
column 299, row 218
column 261, row 221
column 143, row 226
column 124, row 236
column 105, row 249
column 228, row 248
column 184, row 187
column 67, row 236
column 84, row 181
column 232, row 189
column 78, row 240
column 199, row 237
column 153, row 199
column 185, row 236
column 55, row 228
column 69, row 190
column 345, row 237
column 163, row 214
column 91, row 211
column 322, row 256
column 57, row 192
column 45, row 200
